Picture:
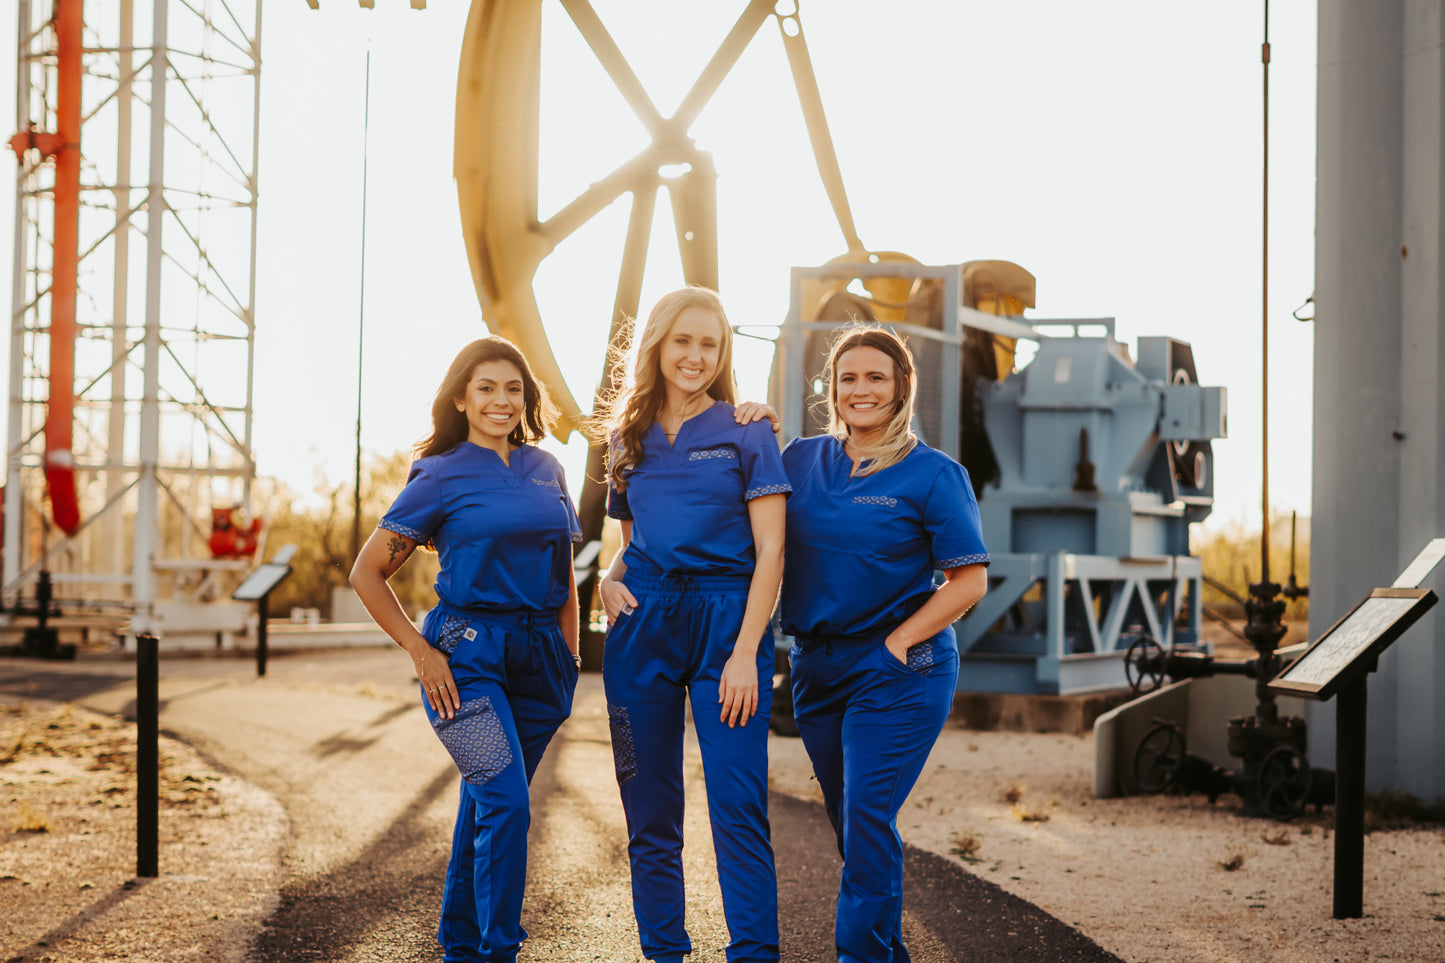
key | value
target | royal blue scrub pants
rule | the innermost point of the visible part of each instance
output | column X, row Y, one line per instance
column 515, row 677
column 868, row 723
column 674, row 644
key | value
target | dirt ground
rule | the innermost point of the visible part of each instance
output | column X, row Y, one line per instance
column 1160, row 879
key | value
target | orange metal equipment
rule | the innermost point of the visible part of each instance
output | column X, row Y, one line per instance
column 64, row 146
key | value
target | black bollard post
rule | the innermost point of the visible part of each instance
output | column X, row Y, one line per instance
column 262, row 613
column 1350, row 799
column 147, row 763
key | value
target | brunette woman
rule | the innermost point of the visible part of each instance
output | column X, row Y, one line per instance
column 497, row 657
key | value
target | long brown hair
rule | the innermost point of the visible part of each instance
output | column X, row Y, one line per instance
column 635, row 405
column 449, row 426
column 898, row 436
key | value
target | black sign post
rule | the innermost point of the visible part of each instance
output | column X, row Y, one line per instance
column 257, row 587
column 1339, row 663
column 147, row 757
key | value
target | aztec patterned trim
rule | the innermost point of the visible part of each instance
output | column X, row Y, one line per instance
column 621, row 516
column 452, row 628
column 960, row 560
column 875, row 500
column 762, row 490
column 624, row 753
column 545, row 482
column 920, row 657
column 577, row 537
column 712, row 453
column 406, row 530
column 476, row 741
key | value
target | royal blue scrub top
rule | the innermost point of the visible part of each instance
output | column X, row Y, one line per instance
column 503, row 532
column 861, row 551
column 687, row 501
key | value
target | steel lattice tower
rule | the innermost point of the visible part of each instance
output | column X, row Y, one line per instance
column 165, row 280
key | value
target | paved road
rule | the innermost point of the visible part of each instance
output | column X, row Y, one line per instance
column 340, row 741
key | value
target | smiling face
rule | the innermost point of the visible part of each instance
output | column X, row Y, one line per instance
column 865, row 388
column 689, row 353
column 493, row 403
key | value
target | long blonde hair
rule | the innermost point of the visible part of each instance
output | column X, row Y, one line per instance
column 635, row 404
column 898, row 437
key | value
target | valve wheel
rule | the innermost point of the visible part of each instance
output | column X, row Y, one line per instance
column 496, row 165
column 1284, row 783
column 1144, row 665
column 1159, row 758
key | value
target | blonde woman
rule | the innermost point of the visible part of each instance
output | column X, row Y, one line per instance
column 689, row 598
column 873, row 514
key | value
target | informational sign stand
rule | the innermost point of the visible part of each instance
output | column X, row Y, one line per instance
column 1338, row 664
column 257, row 587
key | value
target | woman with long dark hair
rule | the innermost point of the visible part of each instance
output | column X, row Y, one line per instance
column 497, row 657
column 689, row 598
column 873, row 515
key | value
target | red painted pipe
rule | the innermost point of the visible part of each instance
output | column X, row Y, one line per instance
column 60, row 411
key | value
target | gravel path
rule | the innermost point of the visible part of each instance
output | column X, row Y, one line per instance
column 1000, row 823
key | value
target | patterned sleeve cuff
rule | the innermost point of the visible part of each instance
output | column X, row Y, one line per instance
column 577, row 537
column 619, row 514
column 762, row 490
column 421, row 538
column 958, row 561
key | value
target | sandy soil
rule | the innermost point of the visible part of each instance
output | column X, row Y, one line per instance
column 1159, row 879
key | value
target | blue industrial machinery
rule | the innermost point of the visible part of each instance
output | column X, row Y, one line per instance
column 1089, row 466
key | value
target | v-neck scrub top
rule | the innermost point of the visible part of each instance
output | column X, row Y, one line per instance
column 687, row 501
column 861, row 551
column 502, row 532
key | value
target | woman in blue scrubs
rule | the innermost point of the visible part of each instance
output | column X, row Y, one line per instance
column 497, row 657
column 689, row 599
column 873, row 514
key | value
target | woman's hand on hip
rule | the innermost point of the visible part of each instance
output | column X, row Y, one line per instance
column 737, row 689
column 435, row 675
column 617, row 598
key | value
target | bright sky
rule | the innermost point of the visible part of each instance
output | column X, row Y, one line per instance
column 1112, row 150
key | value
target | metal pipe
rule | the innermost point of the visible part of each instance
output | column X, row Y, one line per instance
column 360, row 319
column 1264, row 326
column 64, row 279
column 147, row 507
column 15, row 423
column 115, row 439
column 147, row 754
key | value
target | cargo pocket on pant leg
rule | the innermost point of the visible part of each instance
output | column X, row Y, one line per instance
column 624, row 753
column 476, row 740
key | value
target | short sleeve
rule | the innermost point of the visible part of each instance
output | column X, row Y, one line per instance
column 617, row 506
column 417, row 512
column 762, row 463
column 951, row 519
column 574, row 527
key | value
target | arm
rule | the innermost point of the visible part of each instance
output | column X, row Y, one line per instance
column 961, row 590
column 384, row 553
column 738, row 688
column 614, row 594
column 567, row 615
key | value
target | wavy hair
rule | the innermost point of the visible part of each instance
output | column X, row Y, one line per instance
column 449, row 426
column 635, row 404
column 898, row 437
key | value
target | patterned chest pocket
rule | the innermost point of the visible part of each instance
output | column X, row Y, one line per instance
column 883, row 501
column 720, row 456
column 476, row 741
